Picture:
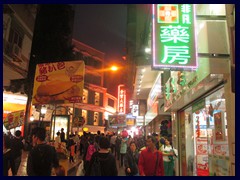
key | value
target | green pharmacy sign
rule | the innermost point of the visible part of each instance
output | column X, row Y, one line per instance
column 173, row 37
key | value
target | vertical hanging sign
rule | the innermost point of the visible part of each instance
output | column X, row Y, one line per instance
column 121, row 99
column 173, row 37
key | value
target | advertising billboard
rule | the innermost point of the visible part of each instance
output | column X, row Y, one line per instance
column 13, row 119
column 117, row 120
column 59, row 82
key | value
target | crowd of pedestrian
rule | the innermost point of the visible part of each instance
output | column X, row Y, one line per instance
column 137, row 156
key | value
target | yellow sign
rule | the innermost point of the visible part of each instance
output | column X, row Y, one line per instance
column 14, row 119
column 59, row 83
column 130, row 122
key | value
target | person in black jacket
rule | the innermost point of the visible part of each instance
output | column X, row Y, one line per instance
column 131, row 160
column 108, row 165
column 42, row 157
column 16, row 152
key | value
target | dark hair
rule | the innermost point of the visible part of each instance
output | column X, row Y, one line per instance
column 132, row 142
column 60, row 171
column 58, row 133
column 39, row 132
column 162, row 140
column 169, row 139
column 154, row 140
column 154, row 134
column 104, row 143
column 18, row 133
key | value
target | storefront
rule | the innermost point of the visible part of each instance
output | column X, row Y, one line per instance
column 13, row 111
column 203, row 136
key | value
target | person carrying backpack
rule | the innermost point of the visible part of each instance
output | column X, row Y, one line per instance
column 91, row 149
column 43, row 157
column 102, row 163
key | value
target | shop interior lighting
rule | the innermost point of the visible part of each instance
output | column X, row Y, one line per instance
column 16, row 99
column 147, row 50
column 43, row 110
column 32, row 118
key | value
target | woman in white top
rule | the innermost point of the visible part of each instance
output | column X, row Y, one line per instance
column 57, row 140
column 168, row 153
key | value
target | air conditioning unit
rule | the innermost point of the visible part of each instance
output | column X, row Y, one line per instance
column 17, row 52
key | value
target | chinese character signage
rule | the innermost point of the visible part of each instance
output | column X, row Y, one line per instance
column 59, row 83
column 173, row 38
column 121, row 99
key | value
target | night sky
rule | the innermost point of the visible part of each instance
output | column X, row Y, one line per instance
column 103, row 27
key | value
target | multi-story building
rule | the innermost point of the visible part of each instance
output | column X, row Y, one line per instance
column 201, row 101
column 18, row 28
column 18, row 24
column 97, row 103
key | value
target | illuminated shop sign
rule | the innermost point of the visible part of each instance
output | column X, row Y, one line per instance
column 121, row 99
column 135, row 110
column 173, row 38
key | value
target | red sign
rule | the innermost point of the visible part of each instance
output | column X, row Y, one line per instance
column 121, row 99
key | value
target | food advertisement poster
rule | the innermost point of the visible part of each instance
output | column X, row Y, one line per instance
column 221, row 149
column 202, row 146
column 202, row 165
column 202, row 157
column 59, row 82
column 219, row 165
column 13, row 119
column 219, row 132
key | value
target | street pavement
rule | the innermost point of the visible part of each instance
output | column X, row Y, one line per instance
column 70, row 167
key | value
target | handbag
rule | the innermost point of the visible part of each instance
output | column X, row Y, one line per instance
column 80, row 170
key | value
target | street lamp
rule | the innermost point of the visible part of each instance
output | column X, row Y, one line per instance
column 114, row 68
column 42, row 115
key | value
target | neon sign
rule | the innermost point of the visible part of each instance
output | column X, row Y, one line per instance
column 121, row 99
column 173, row 38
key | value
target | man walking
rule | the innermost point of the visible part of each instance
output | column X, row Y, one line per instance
column 151, row 160
column 42, row 157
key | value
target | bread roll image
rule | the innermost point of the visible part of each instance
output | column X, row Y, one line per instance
column 56, row 90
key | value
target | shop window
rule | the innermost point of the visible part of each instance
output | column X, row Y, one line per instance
column 97, row 98
column 84, row 115
column 211, row 9
column 15, row 37
column 110, row 102
column 96, row 119
column 85, row 96
column 204, row 137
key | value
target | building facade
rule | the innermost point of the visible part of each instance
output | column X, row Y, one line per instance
column 200, row 103
column 18, row 25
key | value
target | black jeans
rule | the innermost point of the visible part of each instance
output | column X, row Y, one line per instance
column 17, row 163
column 122, row 158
